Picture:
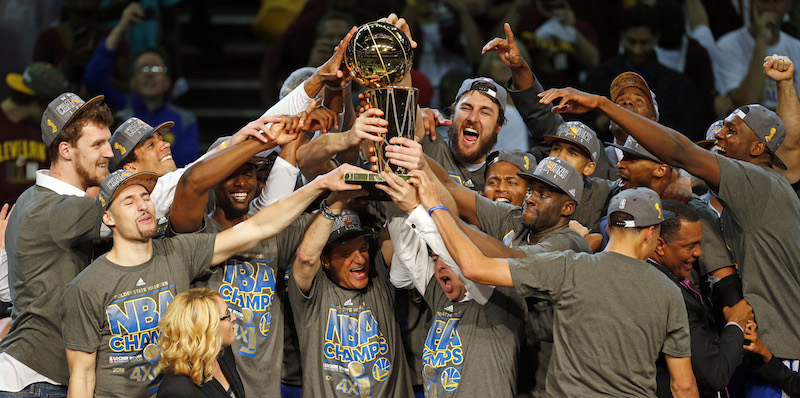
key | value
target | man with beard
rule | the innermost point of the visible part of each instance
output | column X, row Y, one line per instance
column 478, row 116
column 49, row 241
column 760, row 208
column 111, row 310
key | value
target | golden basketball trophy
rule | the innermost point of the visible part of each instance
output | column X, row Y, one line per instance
column 379, row 56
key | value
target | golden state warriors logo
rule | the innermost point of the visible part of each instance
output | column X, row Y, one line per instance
column 771, row 134
column 77, row 102
column 572, row 131
column 443, row 354
column 381, row 369
column 450, row 379
column 119, row 147
column 52, row 125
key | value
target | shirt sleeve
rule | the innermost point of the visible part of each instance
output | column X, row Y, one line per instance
column 742, row 185
column 97, row 77
column 496, row 218
column 195, row 249
column 280, row 184
column 290, row 238
column 293, row 103
column 424, row 226
column 76, row 220
column 677, row 343
column 540, row 275
column 411, row 265
column 81, row 317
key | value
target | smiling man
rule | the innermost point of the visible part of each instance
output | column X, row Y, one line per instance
column 49, row 240
column 478, row 117
column 715, row 355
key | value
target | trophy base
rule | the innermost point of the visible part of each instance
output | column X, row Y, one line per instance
column 368, row 182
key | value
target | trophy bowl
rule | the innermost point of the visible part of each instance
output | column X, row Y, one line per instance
column 379, row 55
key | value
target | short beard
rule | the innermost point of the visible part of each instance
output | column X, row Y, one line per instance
column 483, row 148
column 86, row 177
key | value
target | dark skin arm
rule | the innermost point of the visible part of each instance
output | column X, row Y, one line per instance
column 191, row 194
column 665, row 143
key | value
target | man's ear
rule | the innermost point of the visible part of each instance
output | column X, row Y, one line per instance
column 661, row 171
column 65, row 150
column 108, row 220
column 757, row 148
column 325, row 261
column 568, row 208
column 589, row 168
column 660, row 244
column 131, row 167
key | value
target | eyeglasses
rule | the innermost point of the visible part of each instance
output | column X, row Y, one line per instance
column 153, row 69
column 227, row 316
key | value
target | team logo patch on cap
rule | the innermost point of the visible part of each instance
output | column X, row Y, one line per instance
column 771, row 134
column 52, row 125
column 120, row 148
column 622, row 203
column 527, row 164
column 556, row 169
column 102, row 200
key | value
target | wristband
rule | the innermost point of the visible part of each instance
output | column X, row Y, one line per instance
column 326, row 210
column 319, row 76
column 336, row 87
column 430, row 211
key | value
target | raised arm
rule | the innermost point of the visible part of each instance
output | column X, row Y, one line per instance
column 665, row 143
column 274, row 218
column 474, row 264
column 191, row 194
column 781, row 70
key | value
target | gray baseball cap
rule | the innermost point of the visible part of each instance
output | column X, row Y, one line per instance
column 557, row 173
column 486, row 86
column 643, row 204
column 117, row 181
column 522, row 160
column 346, row 227
column 579, row 134
column 259, row 159
column 128, row 135
column 632, row 147
column 767, row 126
column 61, row 111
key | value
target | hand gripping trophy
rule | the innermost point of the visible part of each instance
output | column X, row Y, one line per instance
column 379, row 56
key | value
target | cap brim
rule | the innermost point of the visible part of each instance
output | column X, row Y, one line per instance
column 777, row 162
column 16, row 82
column 346, row 237
column 706, row 144
column 632, row 152
column 147, row 179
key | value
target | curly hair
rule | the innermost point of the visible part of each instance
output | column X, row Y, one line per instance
column 190, row 340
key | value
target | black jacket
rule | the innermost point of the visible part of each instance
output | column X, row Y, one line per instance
column 173, row 386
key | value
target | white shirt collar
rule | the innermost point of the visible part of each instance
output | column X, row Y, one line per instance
column 44, row 180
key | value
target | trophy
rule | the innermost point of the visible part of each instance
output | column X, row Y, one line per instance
column 379, row 56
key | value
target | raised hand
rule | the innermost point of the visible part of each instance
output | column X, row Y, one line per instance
column 286, row 130
column 403, row 194
column 320, row 118
column 5, row 213
column 255, row 129
column 334, row 180
column 755, row 345
column 778, row 67
column 332, row 71
column 368, row 126
column 402, row 24
column 404, row 152
column 572, row 100
column 506, row 49
column 432, row 118
column 426, row 191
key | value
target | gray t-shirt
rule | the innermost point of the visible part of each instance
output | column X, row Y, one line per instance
column 440, row 152
column 49, row 241
column 114, row 311
column 593, row 202
column 715, row 252
column 501, row 220
column 471, row 350
column 252, row 284
column 613, row 315
column 350, row 342
column 760, row 225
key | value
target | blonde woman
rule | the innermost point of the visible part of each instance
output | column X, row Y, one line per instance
column 196, row 334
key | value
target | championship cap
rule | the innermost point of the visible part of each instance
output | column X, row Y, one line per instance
column 117, row 181
column 557, row 173
column 643, row 204
column 486, row 86
column 579, row 134
column 258, row 159
column 632, row 147
column 712, row 130
column 61, row 111
column 767, row 126
column 346, row 227
column 39, row 80
column 128, row 135
column 633, row 79
column 522, row 160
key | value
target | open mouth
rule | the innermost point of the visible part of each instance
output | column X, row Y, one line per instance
column 470, row 134
column 502, row 199
column 359, row 273
column 447, row 283
column 718, row 149
column 239, row 196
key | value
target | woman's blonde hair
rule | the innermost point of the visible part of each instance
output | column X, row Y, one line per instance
column 190, row 340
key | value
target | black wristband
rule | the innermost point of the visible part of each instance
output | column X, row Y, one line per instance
column 727, row 291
